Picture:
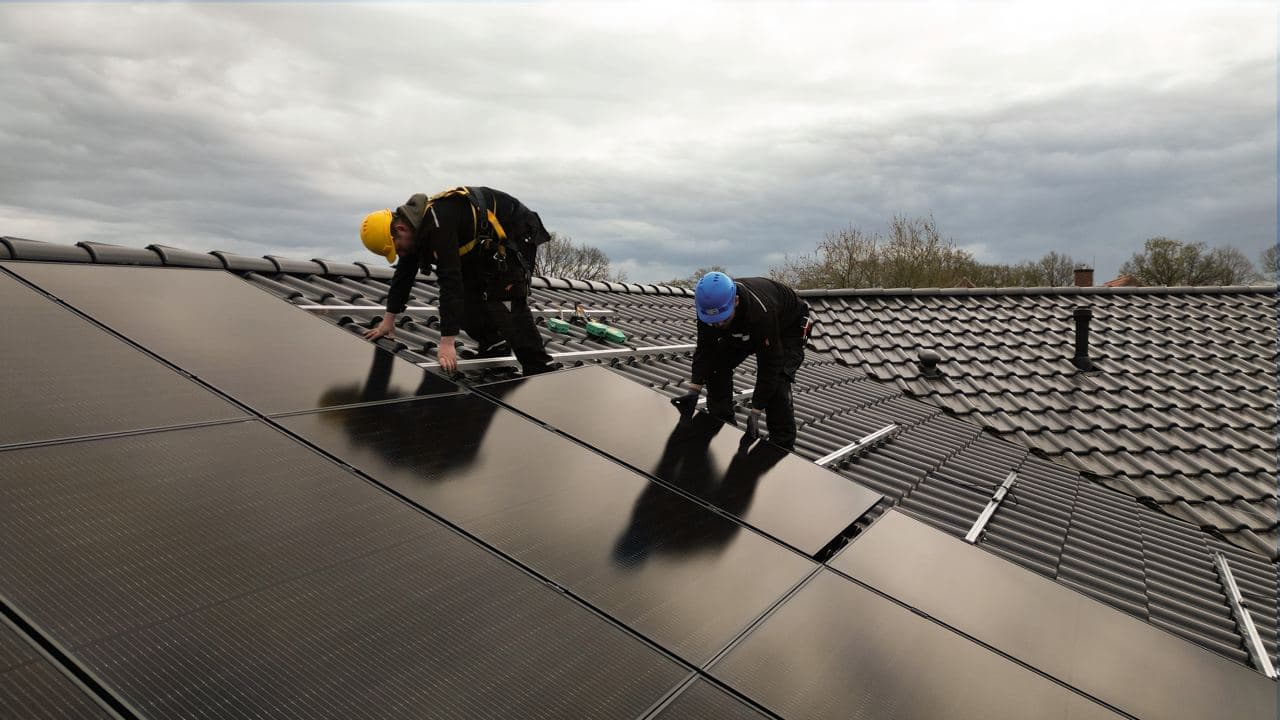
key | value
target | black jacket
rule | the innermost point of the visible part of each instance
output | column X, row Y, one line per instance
column 440, row 231
column 767, row 312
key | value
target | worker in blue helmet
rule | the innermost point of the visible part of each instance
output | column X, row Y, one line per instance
column 752, row 316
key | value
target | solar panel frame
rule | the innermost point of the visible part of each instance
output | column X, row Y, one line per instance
column 837, row 649
column 689, row 579
column 1129, row 664
column 309, row 578
column 779, row 493
column 235, row 337
column 61, row 377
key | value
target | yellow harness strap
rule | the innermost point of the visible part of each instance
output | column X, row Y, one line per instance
column 475, row 219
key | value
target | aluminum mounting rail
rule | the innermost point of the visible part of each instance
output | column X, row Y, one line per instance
column 854, row 447
column 505, row 360
column 981, row 523
column 432, row 308
column 702, row 401
column 1240, row 609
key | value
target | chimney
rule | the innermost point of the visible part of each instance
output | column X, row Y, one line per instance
column 1084, row 276
column 1081, row 360
column 929, row 364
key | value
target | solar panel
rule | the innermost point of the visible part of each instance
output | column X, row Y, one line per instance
column 229, row 571
column 66, row 378
column 780, row 493
column 1128, row 664
column 248, row 344
column 32, row 688
column 704, row 701
column 836, row 649
column 684, row 576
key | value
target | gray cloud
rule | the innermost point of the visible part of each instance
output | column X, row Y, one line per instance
column 670, row 136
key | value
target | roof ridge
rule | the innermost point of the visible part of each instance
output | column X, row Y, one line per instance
column 1058, row 291
column 15, row 248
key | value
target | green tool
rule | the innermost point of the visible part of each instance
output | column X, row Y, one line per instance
column 600, row 330
column 558, row 325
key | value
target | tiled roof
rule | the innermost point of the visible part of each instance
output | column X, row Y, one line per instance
column 1179, row 413
column 941, row 466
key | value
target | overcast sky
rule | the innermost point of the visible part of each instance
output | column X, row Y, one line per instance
column 669, row 135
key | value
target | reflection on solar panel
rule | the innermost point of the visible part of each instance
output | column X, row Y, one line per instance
column 702, row 700
column 686, row 577
column 67, row 378
column 838, row 650
column 228, row 571
column 781, row 494
column 1096, row 649
column 239, row 339
column 32, row 688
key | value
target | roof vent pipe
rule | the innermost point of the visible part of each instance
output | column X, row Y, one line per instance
column 929, row 364
column 1081, row 360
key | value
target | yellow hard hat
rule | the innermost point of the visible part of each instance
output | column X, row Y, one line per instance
column 375, row 233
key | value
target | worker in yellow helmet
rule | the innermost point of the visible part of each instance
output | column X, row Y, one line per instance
column 482, row 244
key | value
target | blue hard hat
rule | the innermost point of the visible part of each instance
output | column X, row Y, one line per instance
column 714, row 297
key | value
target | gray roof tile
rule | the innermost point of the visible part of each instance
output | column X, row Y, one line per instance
column 1182, row 411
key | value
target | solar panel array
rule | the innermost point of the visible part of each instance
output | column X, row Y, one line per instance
column 217, row 506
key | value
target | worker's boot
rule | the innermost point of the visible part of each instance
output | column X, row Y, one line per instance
column 497, row 349
column 539, row 369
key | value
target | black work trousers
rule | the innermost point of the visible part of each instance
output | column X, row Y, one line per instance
column 780, row 414
column 489, row 322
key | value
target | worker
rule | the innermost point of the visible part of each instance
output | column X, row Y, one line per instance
column 735, row 320
column 482, row 244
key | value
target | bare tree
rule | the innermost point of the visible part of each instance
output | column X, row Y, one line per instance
column 561, row 258
column 1055, row 270
column 1165, row 261
column 1270, row 262
column 692, row 280
column 1052, row 270
column 915, row 254
column 848, row 258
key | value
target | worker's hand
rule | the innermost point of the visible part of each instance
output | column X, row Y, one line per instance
column 386, row 328
column 447, row 354
column 753, row 426
column 687, row 402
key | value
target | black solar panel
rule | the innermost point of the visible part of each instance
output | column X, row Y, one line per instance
column 838, row 650
column 782, row 494
column 228, row 571
column 1107, row 654
column 236, row 337
column 62, row 377
column 32, row 688
column 682, row 575
column 704, row 701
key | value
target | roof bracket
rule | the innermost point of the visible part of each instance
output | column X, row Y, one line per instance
column 736, row 397
column 981, row 523
column 1244, row 620
column 866, row 442
column 623, row 352
column 429, row 308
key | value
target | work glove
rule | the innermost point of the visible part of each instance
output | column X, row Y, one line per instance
column 753, row 427
column 687, row 402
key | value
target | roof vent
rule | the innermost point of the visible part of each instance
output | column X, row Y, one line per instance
column 1081, row 360
column 929, row 364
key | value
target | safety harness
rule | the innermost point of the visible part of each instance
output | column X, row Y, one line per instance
column 489, row 231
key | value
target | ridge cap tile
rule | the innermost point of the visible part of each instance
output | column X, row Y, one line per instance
column 181, row 257
column 236, row 262
column 108, row 254
column 24, row 249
